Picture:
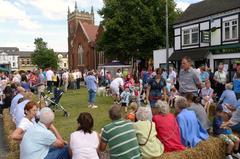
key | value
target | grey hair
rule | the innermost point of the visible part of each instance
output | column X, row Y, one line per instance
column 143, row 114
column 115, row 112
column 46, row 116
column 181, row 102
column 162, row 106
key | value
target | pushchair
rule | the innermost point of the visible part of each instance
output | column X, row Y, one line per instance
column 53, row 102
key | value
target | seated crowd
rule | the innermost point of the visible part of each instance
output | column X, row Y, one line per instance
column 170, row 120
column 145, row 135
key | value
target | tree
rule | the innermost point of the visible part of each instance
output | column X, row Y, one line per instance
column 44, row 57
column 134, row 28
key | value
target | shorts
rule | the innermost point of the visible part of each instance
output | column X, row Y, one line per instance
column 204, row 102
column 114, row 90
column 229, row 138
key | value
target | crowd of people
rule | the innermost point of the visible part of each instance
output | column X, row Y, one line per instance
column 163, row 112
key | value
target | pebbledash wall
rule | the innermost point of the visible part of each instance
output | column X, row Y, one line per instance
column 217, row 32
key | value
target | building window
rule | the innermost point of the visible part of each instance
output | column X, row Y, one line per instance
column 191, row 36
column 80, row 55
column 28, row 61
column 230, row 30
column 13, row 64
column 65, row 65
column 23, row 62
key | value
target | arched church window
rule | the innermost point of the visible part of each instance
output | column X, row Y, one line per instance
column 80, row 55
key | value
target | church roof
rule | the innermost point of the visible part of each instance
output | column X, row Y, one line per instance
column 90, row 31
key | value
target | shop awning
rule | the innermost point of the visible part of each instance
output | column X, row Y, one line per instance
column 194, row 54
column 4, row 69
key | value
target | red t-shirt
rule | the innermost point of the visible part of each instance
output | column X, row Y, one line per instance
column 168, row 132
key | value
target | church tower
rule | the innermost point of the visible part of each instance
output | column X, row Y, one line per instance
column 73, row 20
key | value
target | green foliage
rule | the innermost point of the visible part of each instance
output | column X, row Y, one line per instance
column 134, row 27
column 44, row 57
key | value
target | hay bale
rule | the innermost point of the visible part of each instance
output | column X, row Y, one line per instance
column 9, row 127
column 213, row 148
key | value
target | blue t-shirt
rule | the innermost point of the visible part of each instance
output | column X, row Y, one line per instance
column 236, row 85
column 146, row 76
column 204, row 76
column 26, row 86
column 229, row 97
column 91, row 83
column 36, row 142
column 217, row 130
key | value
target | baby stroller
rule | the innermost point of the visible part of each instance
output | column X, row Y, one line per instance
column 53, row 103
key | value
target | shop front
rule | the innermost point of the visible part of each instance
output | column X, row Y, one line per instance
column 227, row 55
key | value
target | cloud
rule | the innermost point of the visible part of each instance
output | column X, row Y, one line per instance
column 57, row 9
column 12, row 12
column 182, row 5
column 52, row 9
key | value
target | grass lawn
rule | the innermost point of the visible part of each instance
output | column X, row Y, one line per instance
column 75, row 102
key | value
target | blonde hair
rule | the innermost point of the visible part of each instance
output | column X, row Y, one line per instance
column 229, row 86
column 28, row 95
column 133, row 106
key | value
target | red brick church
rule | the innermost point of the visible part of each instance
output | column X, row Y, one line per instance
column 82, row 35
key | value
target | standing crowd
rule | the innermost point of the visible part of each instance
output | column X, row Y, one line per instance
column 164, row 112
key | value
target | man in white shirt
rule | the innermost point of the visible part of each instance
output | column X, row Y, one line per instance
column 115, row 87
column 19, row 110
column 65, row 80
column 15, row 99
column 49, row 75
column 172, row 75
column 220, row 78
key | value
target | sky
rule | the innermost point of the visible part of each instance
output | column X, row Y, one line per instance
column 21, row 21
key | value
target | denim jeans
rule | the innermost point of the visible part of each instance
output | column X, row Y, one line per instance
column 91, row 96
column 49, row 86
column 58, row 153
column 155, row 95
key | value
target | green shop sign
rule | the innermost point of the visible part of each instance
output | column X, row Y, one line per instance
column 225, row 50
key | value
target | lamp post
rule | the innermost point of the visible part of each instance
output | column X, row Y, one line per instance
column 167, row 42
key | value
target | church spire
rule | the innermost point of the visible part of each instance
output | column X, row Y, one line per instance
column 76, row 8
column 92, row 11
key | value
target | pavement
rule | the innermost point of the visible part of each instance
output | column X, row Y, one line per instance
column 3, row 145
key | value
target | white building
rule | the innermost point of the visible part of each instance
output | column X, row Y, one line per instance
column 9, row 58
column 208, row 32
column 63, row 60
column 159, row 57
column 15, row 60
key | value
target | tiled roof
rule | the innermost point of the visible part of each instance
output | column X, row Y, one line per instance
column 90, row 30
column 9, row 50
column 207, row 8
column 64, row 54
column 25, row 53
